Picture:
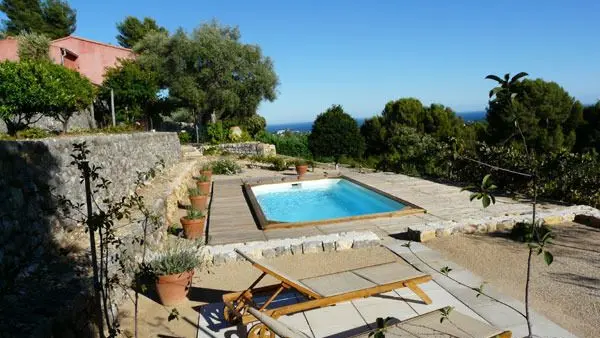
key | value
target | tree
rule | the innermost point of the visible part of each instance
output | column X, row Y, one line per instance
column 375, row 134
column 30, row 90
column 60, row 19
column 211, row 71
column 132, row 30
column 406, row 111
column 22, row 16
column 33, row 46
column 135, row 90
column 544, row 113
column 588, row 132
column 72, row 91
column 335, row 133
column 54, row 18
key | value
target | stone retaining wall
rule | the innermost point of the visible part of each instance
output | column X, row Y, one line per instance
column 221, row 254
column 425, row 232
column 246, row 148
column 79, row 120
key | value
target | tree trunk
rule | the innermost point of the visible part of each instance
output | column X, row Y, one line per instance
column 14, row 127
column 65, row 126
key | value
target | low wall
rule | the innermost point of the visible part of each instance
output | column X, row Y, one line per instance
column 246, row 148
column 79, row 120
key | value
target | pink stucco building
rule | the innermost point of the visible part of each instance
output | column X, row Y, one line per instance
column 90, row 58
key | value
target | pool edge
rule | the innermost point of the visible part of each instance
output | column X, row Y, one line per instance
column 265, row 224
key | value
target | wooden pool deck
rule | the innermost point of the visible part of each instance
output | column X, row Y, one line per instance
column 231, row 221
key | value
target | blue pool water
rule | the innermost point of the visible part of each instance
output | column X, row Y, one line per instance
column 319, row 200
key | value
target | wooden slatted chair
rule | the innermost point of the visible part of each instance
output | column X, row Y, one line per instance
column 428, row 325
column 320, row 291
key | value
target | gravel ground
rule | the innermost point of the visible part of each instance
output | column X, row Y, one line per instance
column 567, row 292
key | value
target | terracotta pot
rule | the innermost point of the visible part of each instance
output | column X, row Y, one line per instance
column 193, row 228
column 173, row 289
column 301, row 169
column 207, row 173
column 204, row 187
column 199, row 202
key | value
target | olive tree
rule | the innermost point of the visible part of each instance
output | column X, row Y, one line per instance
column 210, row 71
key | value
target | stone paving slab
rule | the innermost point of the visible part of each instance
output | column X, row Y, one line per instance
column 348, row 318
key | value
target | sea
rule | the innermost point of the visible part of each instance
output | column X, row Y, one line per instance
column 303, row 127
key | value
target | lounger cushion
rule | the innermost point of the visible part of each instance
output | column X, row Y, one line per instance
column 388, row 273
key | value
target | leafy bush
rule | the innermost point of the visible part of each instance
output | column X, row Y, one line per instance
column 175, row 261
column 334, row 134
column 202, row 178
column 524, row 232
column 279, row 164
column 184, row 138
column 225, row 167
column 217, row 133
column 290, row 144
column 33, row 133
column 195, row 192
column 192, row 213
column 209, row 151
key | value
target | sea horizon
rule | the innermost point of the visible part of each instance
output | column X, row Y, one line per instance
column 307, row 126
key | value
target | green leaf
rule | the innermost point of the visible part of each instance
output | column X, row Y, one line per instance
column 517, row 77
column 493, row 199
column 173, row 315
column 548, row 258
column 494, row 77
column 472, row 196
column 486, row 180
column 445, row 270
column 486, row 201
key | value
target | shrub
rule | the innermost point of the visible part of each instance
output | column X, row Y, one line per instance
column 334, row 134
column 523, row 232
column 212, row 151
column 184, row 137
column 195, row 192
column 202, row 178
column 175, row 261
column 33, row 133
column 217, row 133
column 290, row 144
column 278, row 164
column 192, row 213
column 300, row 162
column 254, row 124
column 225, row 167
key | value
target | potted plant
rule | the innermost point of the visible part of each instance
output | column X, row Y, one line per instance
column 301, row 167
column 174, row 270
column 203, row 183
column 193, row 223
column 206, row 170
column 198, row 198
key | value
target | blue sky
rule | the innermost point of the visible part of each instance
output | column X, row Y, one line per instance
column 362, row 54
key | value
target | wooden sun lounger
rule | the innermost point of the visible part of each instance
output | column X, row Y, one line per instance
column 320, row 291
column 428, row 325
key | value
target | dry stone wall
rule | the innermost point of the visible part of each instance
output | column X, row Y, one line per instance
column 246, row 148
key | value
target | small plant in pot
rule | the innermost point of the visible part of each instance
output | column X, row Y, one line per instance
column 206, row 170
column 203, row 183
column 193, row 223
column 301, row 167
column 174, row 270
column 198, row 198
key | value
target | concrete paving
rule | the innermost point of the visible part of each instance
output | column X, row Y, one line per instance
column 348, row 318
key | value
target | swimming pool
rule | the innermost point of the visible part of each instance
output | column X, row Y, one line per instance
column 323, row 200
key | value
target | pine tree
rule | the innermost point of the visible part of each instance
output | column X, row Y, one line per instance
column 53, row 18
